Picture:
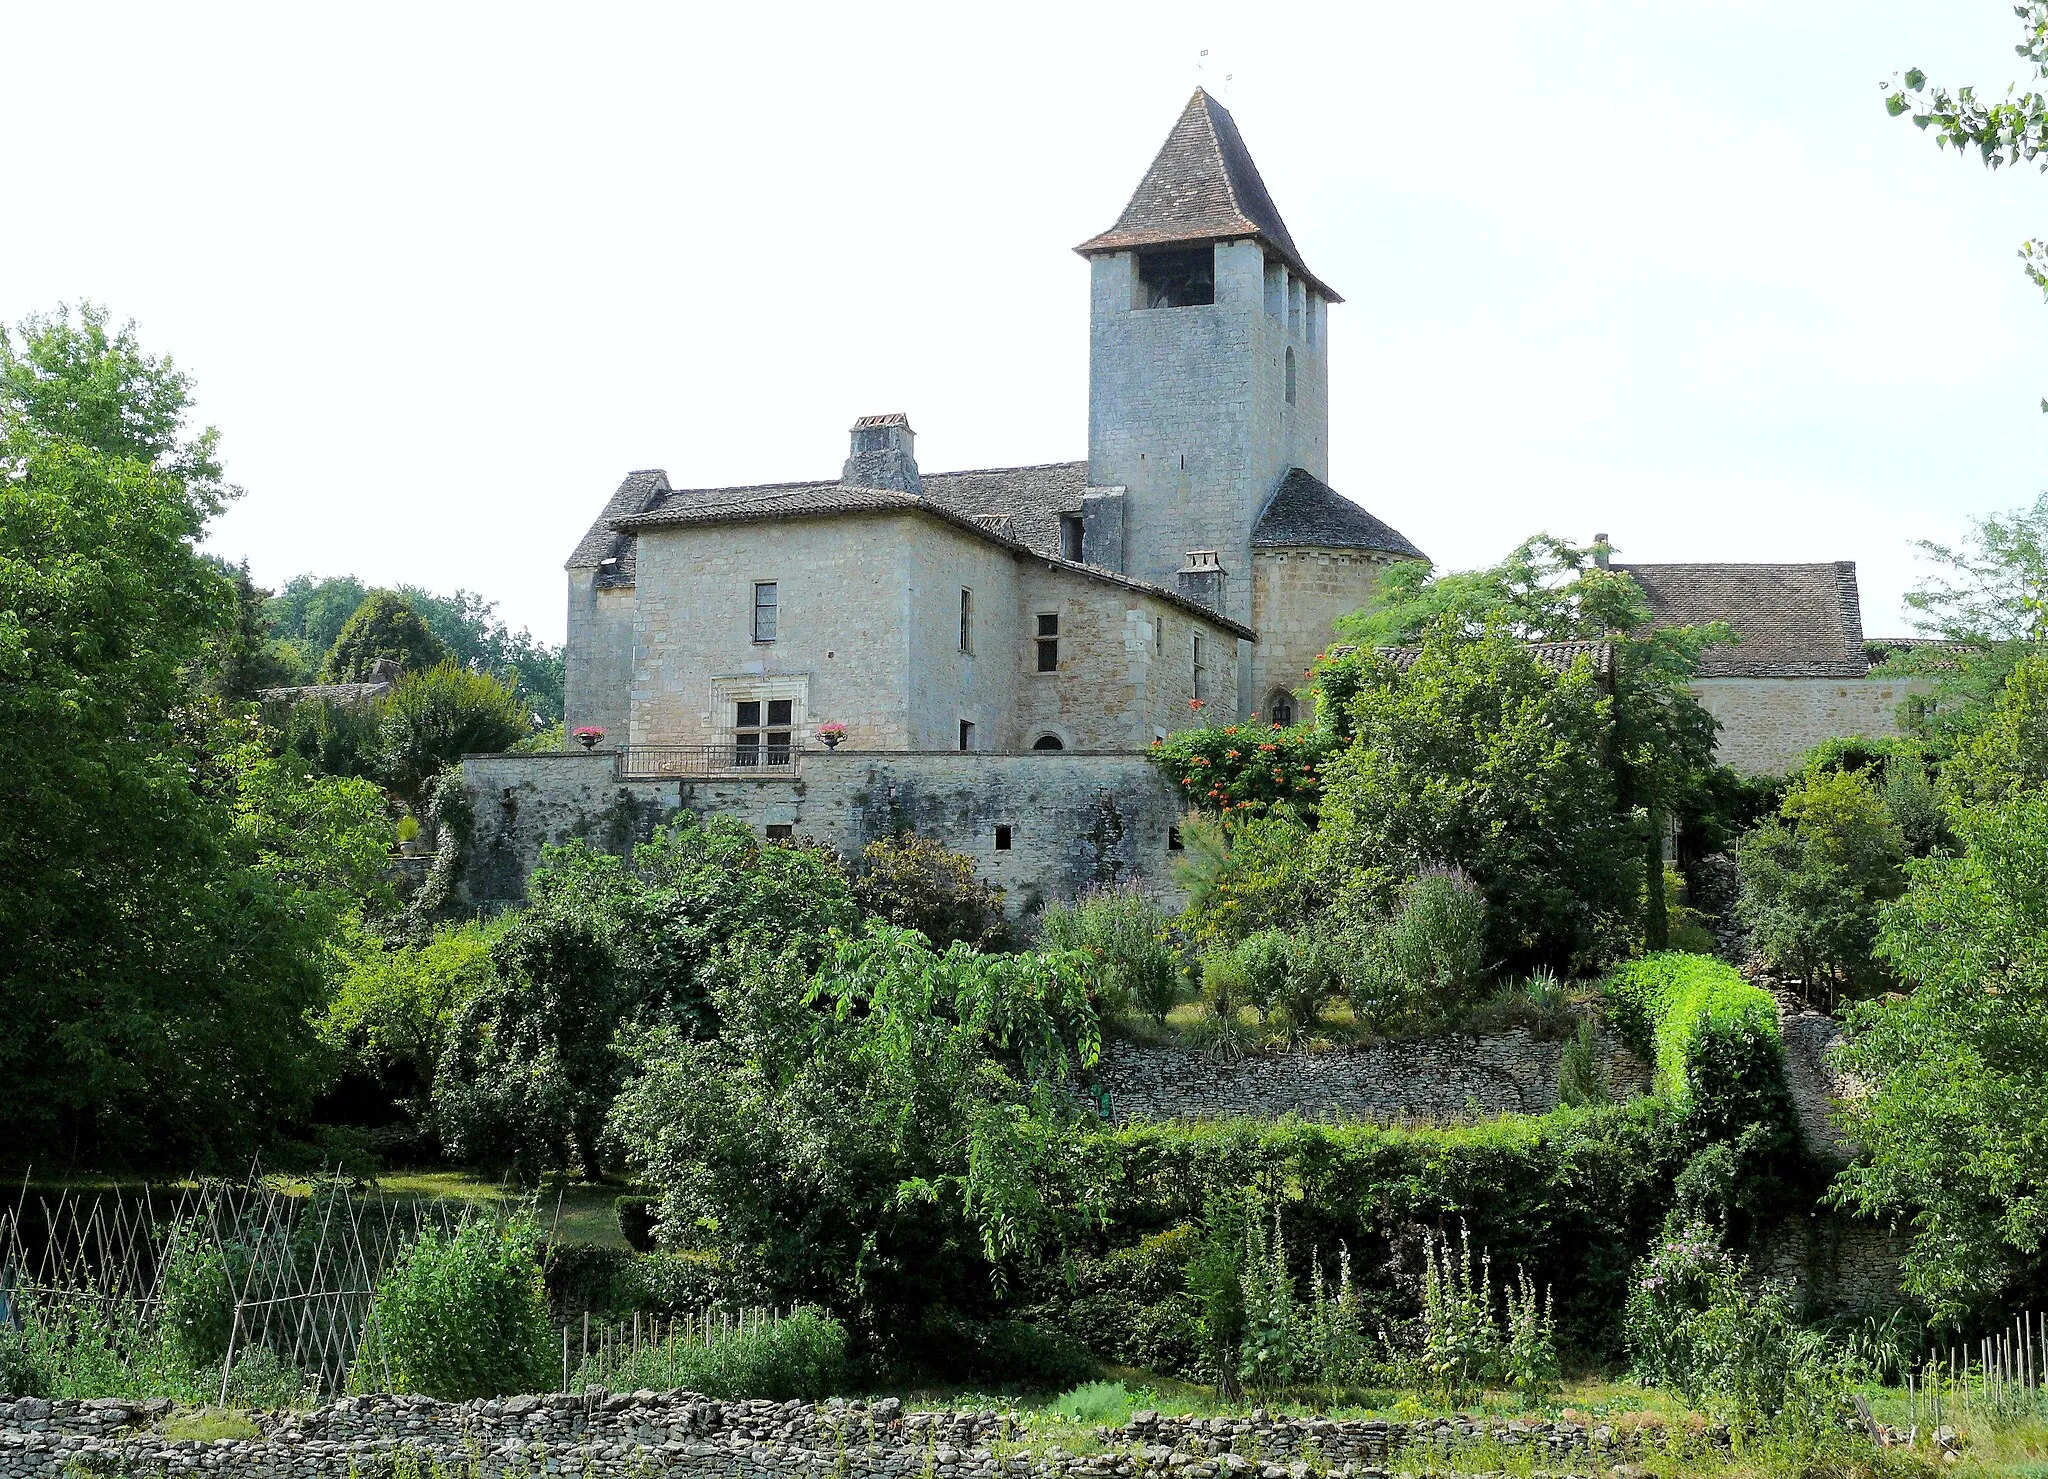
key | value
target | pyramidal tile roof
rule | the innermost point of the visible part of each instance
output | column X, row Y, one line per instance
column 1202, row 186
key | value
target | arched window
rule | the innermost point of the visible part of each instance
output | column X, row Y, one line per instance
column 1280, row 707
column 1290, row 377
column 1047, row 742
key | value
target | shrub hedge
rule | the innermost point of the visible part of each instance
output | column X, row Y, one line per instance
column 1697, row 1020
column 1568, row 1195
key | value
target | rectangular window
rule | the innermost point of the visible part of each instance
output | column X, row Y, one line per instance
column 1048, row 643
column 1173, row 842
column 1201, row 674
column 751, row 735
column 1002, row 839
column 1072, row 529
column 966, row 734
column 1179, row 278
column 966, row 620
column 781, row 832
column 764, row 611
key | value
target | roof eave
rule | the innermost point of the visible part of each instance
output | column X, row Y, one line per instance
column 1112, row 241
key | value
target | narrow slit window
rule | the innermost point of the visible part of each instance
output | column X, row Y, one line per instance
column 966, row 734
column 1048, row 643
column 1201, row 674
column 966, row 620
column 764, row 610
column 1290, row 377
column 1002, row 839
column 1159, row 634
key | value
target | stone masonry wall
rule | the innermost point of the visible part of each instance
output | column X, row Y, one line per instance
column 1768, row 723
column 1435, row 1079
column 1075, row 821
column 1297, row 596
column 603, row 1435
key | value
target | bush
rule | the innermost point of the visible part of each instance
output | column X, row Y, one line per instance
column 462, row 1316
column 1708, row 1033
column 1129, row 934
column 1476, row 756
column 917, row 883
column 433, row 718
column 1815, row 878
column 636, row 1221
column 384, row 626
column 1245, row 769
column 1104, row 1402
column 798, row 1357
column 1423, row 963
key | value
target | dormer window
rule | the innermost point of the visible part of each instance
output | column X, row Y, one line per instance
column 1182, row 278
column 1071, row 531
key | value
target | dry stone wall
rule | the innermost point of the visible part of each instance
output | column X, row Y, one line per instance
column 1435, row 1079
column 599, row 1435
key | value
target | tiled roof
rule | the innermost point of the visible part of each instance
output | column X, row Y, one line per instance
column 1202, row 186
column 810, row 500
column 1556, row 656
column 1309, row 513
column 604, row 548
column 1032, row 498
column 1796, row 621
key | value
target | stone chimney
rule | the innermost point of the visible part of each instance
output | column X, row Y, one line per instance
column 1201, row 579
column 1602, row 550
column 884, row 454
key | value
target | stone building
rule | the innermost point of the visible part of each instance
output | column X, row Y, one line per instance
column 1801, row 670
column 990, row 651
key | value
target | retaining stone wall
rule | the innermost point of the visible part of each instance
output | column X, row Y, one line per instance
column 1436, row 1079
column 600, row 1435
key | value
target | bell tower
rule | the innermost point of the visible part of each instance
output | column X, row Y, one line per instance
column 1208, row 360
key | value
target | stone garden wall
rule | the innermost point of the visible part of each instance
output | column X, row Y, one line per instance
column 1436, row 1079
column 602, row 1435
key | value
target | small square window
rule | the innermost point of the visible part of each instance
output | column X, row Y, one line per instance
column 1173, row 842
column 1002, row 839
column 779, row 710
column 765, row 606
column 781, row 832
column 966, row 734
column 1048, row 643
column 749, row 713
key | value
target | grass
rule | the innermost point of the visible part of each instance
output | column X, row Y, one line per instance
column 585, row 1208
column 208, row 1425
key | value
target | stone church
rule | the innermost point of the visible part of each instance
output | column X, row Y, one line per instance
column 984, row 655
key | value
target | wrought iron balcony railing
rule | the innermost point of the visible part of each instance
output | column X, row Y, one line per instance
column 767, row 762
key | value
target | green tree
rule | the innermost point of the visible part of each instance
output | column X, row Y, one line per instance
column 1955, row 1120
column 1816, row 877
column 1661, row 747
column 242, row 659
column 310, row 613
column 528, row 1073
column 383, row 627
column 392, row 1007
column 2011, row 132
column 1478, row 757
column 2007, row 756
column 160, row 915
column 883, row 1141
column 1985, row 607
column 434, row 716
column 920, row 884
column 1129, row 937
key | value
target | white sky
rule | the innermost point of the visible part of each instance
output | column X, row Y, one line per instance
column 445, row 272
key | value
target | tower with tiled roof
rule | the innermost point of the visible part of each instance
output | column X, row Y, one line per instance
column 1208, row 396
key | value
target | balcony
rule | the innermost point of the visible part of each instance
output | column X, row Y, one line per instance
column 727, row 761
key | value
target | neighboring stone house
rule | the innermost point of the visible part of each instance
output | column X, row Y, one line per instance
column 1801, row 672
column 1000, row 645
